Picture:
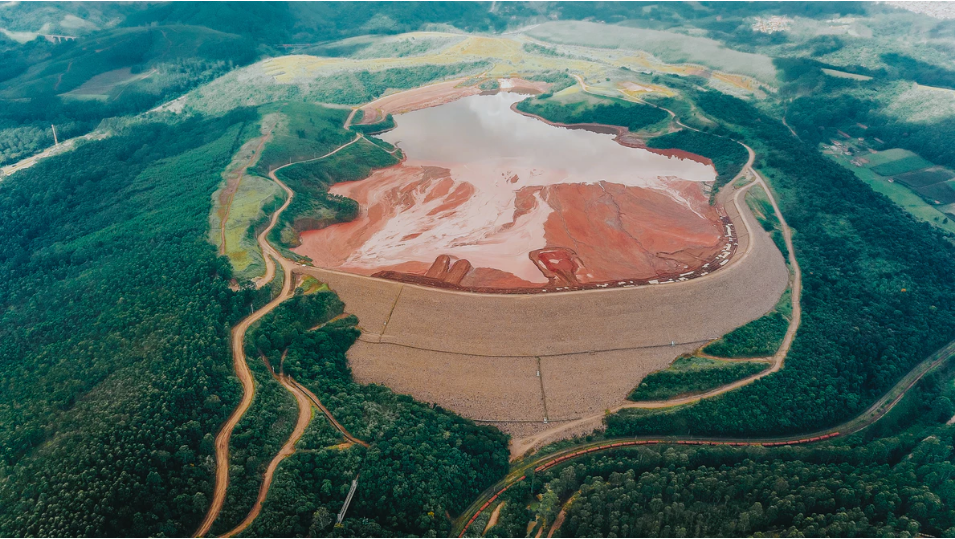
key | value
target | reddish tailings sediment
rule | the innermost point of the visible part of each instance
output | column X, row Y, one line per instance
column 434, row 95
column 559, row 236
column 526, row 208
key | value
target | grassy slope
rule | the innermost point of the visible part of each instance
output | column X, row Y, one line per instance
column 692, row 375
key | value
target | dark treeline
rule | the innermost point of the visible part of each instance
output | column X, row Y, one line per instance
column 870, row 485
column 114, row 358
column 633, row 116
column 877, row 294
column 678, row 380
column 424, row 462
column 728, row 156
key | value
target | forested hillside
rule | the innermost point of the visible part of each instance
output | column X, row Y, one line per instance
column 878, row 296
column 114, row 358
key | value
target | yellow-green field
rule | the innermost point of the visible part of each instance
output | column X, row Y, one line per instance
column 246, row 210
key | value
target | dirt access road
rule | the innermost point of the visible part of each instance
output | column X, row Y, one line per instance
column 268, row 252
column 875, row 412
column 245, row 375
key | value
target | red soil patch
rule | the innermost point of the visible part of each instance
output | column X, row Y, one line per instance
column 418, row 98
column 594, row 235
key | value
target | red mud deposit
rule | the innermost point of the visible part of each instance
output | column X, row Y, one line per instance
column 418, row 98
column 493, row 201
column 414, row 219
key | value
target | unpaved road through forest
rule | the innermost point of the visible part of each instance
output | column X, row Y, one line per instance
column 245, row 375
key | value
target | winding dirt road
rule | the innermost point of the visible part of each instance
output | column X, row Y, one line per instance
column 248, row 392
column 245, row 375
column 522, row 446
column 304, row 418
column 268, row 252
column 874, row 413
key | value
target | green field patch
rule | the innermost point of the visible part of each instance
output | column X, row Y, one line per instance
column 900, row 194
column 901, row 166
column 689, row 374
column 305, row 131
column 925, row 177
column 887, row 156
column 759, row 338
column 633, row 116
column 101, row 86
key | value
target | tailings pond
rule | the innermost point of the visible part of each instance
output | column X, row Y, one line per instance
column 491, row 200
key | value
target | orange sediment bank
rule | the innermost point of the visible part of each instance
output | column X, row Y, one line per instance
column 491, row 201
column 591, row 235
column 440, row 93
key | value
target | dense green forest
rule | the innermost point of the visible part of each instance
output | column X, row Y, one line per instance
column 114, row 357
column 877, row 294
column 759, row 338
column 422, row 463
column 692, row 375
column 633, row 116
column 893, row 479
column 728, row 157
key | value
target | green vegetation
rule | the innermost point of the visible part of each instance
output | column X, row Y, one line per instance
column 759, row 338
column 259, row 435
column 249, row 208
column 893, row 479
column 40, row 81
column 728, row 156
column 633, row 116
column 764, row 212
column 370, row 129
column 872, row 306
column 114, row 362
column 558, row 79
column 689, row 375
column 540, row 50
column 313, row 207
column 900, row 166
column 436, row 460
column 901, row 195
column 303, row 131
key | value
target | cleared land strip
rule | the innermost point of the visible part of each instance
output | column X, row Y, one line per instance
column 233, row 188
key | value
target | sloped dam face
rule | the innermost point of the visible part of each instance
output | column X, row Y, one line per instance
column 491, row 200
